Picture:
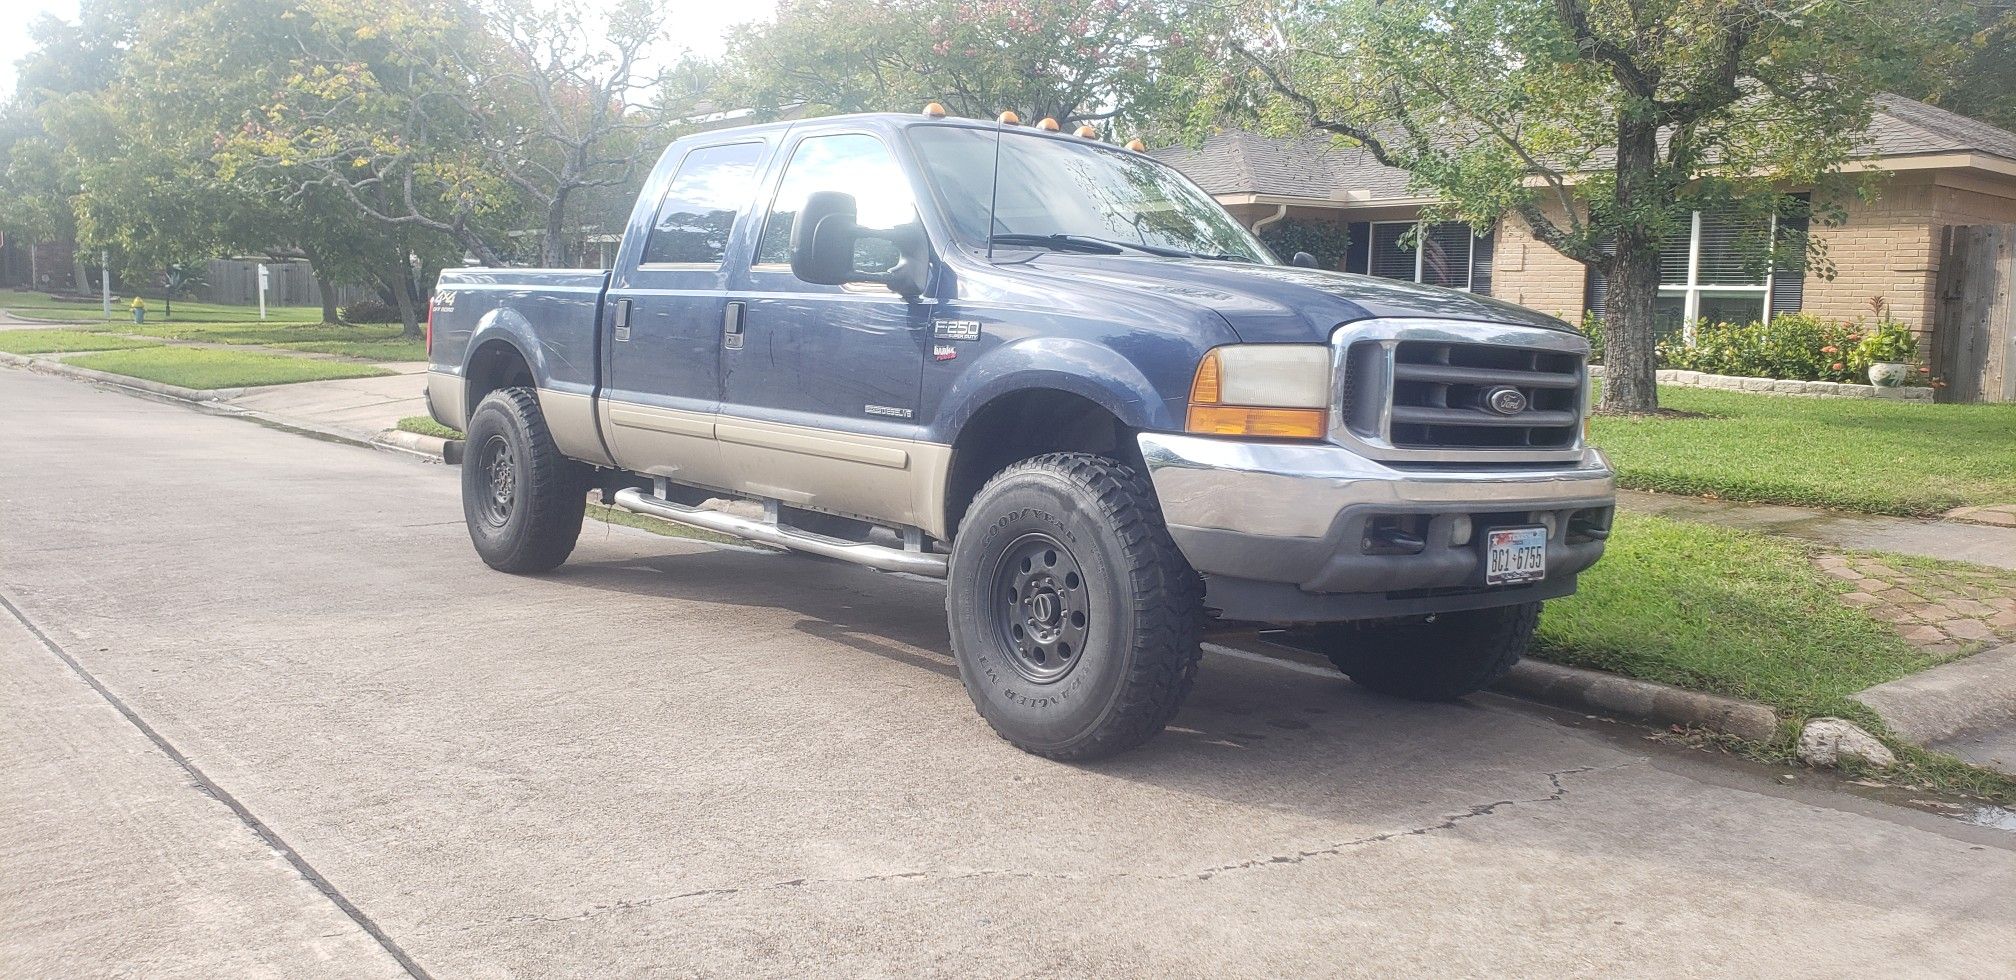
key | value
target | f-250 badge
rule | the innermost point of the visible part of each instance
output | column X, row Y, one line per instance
column 955, row 329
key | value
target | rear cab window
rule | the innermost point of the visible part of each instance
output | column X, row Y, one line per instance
column 712, row 188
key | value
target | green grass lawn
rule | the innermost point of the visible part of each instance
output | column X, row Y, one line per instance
column 427, row 427
column 1727, row 611
column 191, row 367
column 394, row 349
column 60, row 341
column 1879, row 456
column 39, row 306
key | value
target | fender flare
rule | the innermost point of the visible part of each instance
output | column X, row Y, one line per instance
column 1092, row 371
column 507, row 326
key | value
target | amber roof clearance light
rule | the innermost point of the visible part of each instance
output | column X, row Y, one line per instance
column 1009, row 118
column 935, row 110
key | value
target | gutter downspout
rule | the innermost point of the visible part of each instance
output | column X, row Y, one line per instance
column 1280, row 211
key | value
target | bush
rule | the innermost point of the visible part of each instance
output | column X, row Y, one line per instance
column 370, row 311
column 1592, row 328
column 1792, row 347
column 1326, row 241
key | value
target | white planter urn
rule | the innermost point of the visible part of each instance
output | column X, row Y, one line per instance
column 1888, row 374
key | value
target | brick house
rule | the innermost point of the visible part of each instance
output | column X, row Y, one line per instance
column 1935, row 169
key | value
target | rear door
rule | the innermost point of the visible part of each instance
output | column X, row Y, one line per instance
column 663, row 318
column 819, row 400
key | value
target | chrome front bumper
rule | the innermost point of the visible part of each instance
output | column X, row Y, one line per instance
column 1298, row 514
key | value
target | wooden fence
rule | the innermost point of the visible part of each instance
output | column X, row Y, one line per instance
column 1974, row 330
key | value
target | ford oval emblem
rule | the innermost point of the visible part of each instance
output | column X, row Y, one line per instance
column 1505, row 400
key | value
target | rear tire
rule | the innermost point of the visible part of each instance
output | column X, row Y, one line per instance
column 1075, row 620
column 522, row 499
column 1432, row 658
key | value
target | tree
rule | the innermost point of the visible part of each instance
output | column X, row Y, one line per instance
column 1070, row 60
column 1601, row 124
column 1973, row 70
column 553, row 102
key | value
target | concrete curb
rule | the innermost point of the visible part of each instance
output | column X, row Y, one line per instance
column 412, row 442
column 1644, row 701
column 1966, row 696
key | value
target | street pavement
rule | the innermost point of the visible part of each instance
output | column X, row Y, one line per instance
column 266, row 714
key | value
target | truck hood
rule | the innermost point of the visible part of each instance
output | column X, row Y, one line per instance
column 1280, row 303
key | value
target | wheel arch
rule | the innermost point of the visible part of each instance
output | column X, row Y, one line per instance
column 1025, row 422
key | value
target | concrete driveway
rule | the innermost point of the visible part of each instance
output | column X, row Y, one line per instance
column 266, row 713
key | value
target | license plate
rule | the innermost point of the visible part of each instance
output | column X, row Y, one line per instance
column 1515, row 554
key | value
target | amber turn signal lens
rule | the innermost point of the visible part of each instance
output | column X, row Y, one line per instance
column 1206, row 387
column 1272, row 423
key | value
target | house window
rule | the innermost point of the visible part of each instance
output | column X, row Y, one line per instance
column 1446, row 253
column 1705, row 275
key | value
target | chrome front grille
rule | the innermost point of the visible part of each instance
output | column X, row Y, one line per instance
column 1455, row 391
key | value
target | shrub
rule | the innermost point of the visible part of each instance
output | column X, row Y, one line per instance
column 1326, row 241
column 370, row 311
column 1793, row 347
column 1592, row 328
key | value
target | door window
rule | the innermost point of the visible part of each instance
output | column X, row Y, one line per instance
column 851, row 163
column 713, row 185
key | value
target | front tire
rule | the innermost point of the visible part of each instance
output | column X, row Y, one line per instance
column 1430, row 658
column 522, row 499
column 1075, row 620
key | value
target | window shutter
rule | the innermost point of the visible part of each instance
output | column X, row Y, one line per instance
column 1358, row 254
column 1788, row 280
column 1481, row 253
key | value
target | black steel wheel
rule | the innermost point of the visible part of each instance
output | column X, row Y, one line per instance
column 1045, row 609
column 500, row 474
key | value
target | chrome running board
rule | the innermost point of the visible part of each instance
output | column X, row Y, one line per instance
column 874, row 556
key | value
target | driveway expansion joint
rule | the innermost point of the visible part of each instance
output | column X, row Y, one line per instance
column 208, row 787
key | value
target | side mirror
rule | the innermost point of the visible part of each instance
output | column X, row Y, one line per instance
column 824, row 237
column 1304, row 260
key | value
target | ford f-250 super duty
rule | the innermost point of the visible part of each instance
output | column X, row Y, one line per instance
column 1057, row 374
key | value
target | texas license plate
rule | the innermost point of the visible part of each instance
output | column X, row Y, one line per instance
column 1515, row 554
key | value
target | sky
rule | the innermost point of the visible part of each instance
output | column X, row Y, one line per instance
column 698, row 25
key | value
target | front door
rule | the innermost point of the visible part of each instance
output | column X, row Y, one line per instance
column 819, row 401
column 664, row 318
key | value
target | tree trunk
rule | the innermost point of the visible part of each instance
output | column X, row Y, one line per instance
column 1630, row 364
column 552, row 250
column 400, row 278
column 330, row 314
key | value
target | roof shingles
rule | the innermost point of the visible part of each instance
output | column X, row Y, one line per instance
column 1236, row 161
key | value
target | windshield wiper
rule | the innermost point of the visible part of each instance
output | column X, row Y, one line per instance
column 1107, row 246
column 1065, row 243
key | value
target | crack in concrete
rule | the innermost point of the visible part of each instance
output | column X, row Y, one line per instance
column 1554, row 779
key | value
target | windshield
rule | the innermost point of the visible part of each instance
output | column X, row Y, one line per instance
column 1054, row 187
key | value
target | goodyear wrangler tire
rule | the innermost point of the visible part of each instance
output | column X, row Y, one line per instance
column 522, row 500
column 1431, row 658
column 1074, row 619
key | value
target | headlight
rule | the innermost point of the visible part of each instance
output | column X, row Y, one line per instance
column 1277, row 391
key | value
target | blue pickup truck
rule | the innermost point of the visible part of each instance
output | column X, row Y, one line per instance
column 1058, row 375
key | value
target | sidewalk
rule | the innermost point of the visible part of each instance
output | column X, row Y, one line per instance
column 1943, row 539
